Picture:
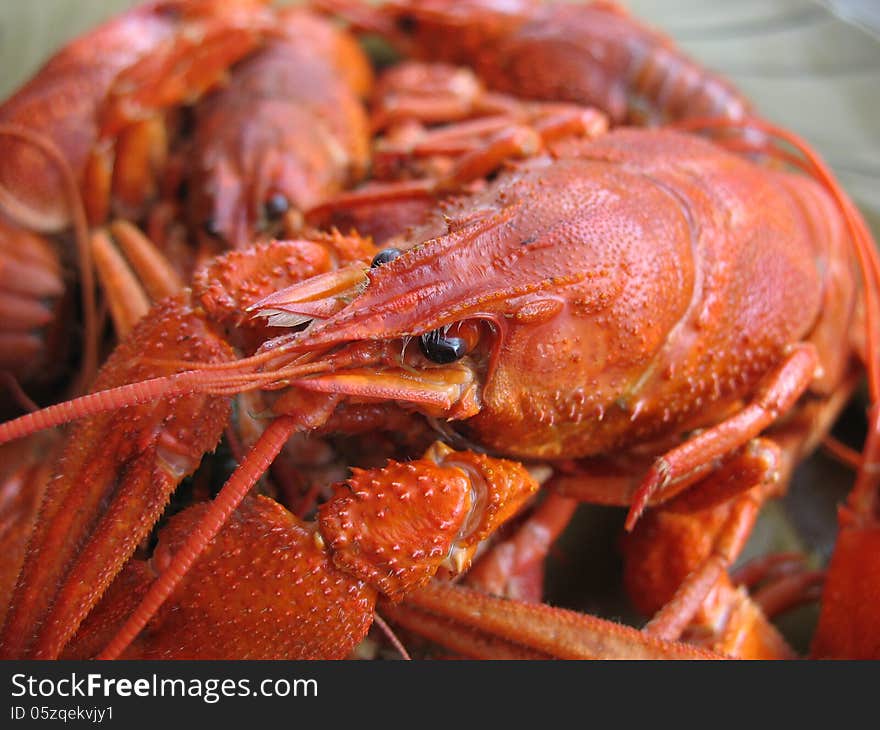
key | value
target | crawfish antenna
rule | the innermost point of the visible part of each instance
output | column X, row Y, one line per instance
column 144, row 391
column 224, row 504
column 391, row 636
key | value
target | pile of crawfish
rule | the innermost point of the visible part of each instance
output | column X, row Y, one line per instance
column 339, row 346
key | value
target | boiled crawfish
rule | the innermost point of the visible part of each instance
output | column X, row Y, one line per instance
column 597, row 53
column 592, row 53
column 88, row 128
column 103, row 128
column 636, row 286
column 286, row 131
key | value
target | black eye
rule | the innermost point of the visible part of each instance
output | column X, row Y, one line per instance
column 211, row 227
column 385, row 255
column 439, row 348
column 407, row 24
column 276, row 206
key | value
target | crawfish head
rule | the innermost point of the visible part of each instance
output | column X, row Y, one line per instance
column 255, row 166
column 286, row 131
column 524, row 312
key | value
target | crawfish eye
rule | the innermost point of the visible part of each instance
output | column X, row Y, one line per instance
column 211, row 227
column 439, row 348
column 407, row 24
column 385, row 255
column 276, row 206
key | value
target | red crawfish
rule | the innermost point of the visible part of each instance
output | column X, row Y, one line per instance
column 286, row 129
column 99, row 128
column 86, row 133
column 594, row 53
column 638, row 288
column 99, row 101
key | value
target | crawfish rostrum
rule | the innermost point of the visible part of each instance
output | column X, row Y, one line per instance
column 429, row 310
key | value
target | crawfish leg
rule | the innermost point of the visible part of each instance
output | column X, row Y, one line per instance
column 677, row 557
column 691, row 541
column 706, row 606
column 126, row 299
column 453, row 636
column 141, row 151
column 256, row 593
column 114, row 478
column 681, row 467
column 526, row 139
column 779, row 582
column 132, row 275
column 531, row 628
column 481, row 146
column 463, row 153
column 432, row 93
column 756, row 467
column 387, row 529
column 155, row 272
column 26, row 473
column 514, row 567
